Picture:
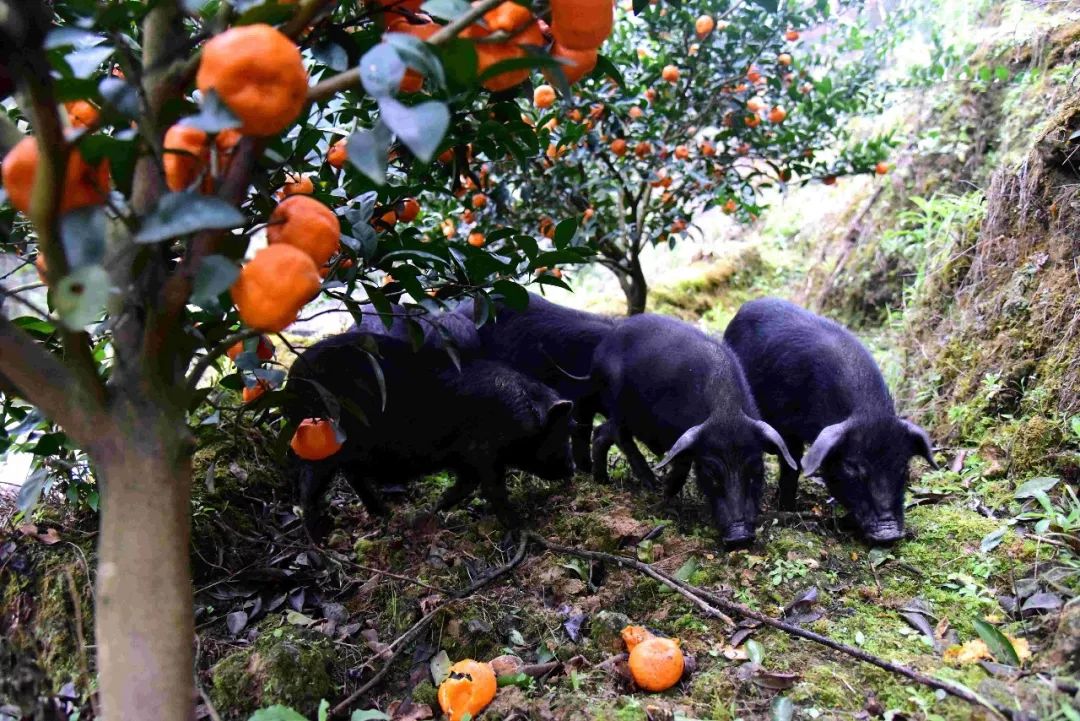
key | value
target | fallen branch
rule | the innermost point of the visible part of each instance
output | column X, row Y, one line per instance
column 702, row 598
column 402, row 642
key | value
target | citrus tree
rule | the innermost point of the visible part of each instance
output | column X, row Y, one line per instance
column 712, row 104
column 146, row 146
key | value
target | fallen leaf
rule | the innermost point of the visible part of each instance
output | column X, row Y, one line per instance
column 440, row 667
column 236, row 621
column 50, row 537
column 573, row 626
column 298, row 619
column 409, row 711
column 371, row 638
column 506, row 665
column 731, row 653
column 775, row 680
column 1038, row 602
column 976, row 650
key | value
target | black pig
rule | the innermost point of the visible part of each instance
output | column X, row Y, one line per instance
column 817, row 384
column 440, row 329
column 554, row 345
column 476, row 422
column 683, row 395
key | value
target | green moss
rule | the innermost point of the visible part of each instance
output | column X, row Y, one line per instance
column 426, row 693
column 285, row 666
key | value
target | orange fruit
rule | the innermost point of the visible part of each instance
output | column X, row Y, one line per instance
column 508, row 17
column 636, row 112
column 581, row 24
column 642, row 149
column 743, row 149
column 791, row 35
column 468, row 689
column 650, row 94
column 670, row 73
column 476, row 239
column 315, row 439
column 753, row 74
column 479, row 200
column 752, row 121
column 707, row 149
column 618, row 146
column 274, row 286
column 488, row 54
column 407, row 210
column 81, row 114
column 633, row 635
column 730, row 206
column 250, row 394
column 829, row 180
column 42, row 267
column 693, row 49
column 579, row 63
column 704, row 25
column 784, row 58
column 777, row 115
column 556, row 272
column 264, row 349
column 306, row 224
column 544, row 96
column 259, row 74
column 678, row 226
column 385, row 220
column 588, row 214
column 337, row 154
column 467, row 215
column 682, row 152
column 755, row 104
column 84, row 184
column 656, row 664
column 295, row 184
column 881, row 168
column 423, row 29
column 547, row 227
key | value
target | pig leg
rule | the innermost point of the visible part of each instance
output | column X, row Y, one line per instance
column 372, row 500
column 603, row 440
column 312, row 480
column 625, row 440
column 464, row 484
column 676, row 478
column 493, row 486
column 789, row 477
column 581, row 437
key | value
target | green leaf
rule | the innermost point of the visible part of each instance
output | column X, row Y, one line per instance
column 688, row 569
column 515, row 296
column 120, row 95
column 85, row 62
column 564, row 232
column 417, row 54
column 420, row 127
column 213, row 116
column 368, row 150
column 769, row 5
column 446, row 9
column 782, row 709
column 216, row 274
column 369, row 715
column 440, row 667
column 521, row 680
column 324, row 710
column 755, row 652
column 276, row 713
column 1000, row 646
column 299, row 619
column 1074, row 422
column 30, row 491
column 82, row 233
column 993, row 539
column 80, row 296
column 381, row 71
column 178, row 214
column 1029, row 488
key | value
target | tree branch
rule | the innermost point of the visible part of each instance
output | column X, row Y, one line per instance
column 204, row 363
column 343, row 81
column 49, row 384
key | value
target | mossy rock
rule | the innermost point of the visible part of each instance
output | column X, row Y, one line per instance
column 285, row 666
column 606, row 631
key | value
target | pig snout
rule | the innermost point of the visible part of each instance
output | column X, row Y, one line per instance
column 884, row 531
column 738, row 535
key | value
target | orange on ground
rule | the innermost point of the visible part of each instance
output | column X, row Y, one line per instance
column 264, row 349
column 682, row 152
column 476, row 239
column 479, row 200
column 642, row 149
column 468, row 689
column 407, row 210
column 670, row 73
column 260, row 387
column 337, row 154
column 315, row 439
column 784, row 58
column 544, row 96
column 295, row 185
column 656, row 664
column 581, row 24
column 274, row 286
column 633, row 635
column 881, row 168
column 579, row 62
column 259, row 74
column 81, row 114
column 704, row 25
column 84, row 184
column 307, row 224
column 618, row 146
column 777, row 115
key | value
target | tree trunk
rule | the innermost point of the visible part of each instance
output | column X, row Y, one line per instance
column 144, row 622
column 634, row 287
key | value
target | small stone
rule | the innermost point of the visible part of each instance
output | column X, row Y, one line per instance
column 607, row 629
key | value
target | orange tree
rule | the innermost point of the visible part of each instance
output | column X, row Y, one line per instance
column 150, row 142
column 708, row 103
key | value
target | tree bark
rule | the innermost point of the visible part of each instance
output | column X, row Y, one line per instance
column 144, row 617
column 634, row 287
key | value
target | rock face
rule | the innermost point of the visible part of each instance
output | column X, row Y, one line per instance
column 607, row 629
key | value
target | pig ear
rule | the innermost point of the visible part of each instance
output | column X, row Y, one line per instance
column 684, row 444
column 829, row 437
column 558, row 411
column 769, row 434
column 921, row 442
